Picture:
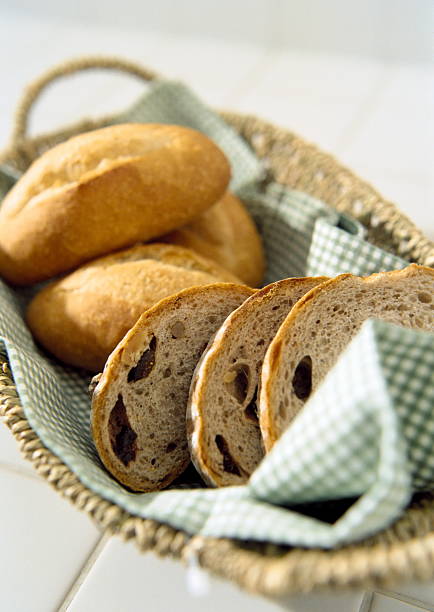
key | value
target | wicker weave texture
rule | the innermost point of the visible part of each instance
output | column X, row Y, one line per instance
column 404, row 551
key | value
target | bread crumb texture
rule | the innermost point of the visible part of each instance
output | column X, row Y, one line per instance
column 321, row 325
column 147, row 380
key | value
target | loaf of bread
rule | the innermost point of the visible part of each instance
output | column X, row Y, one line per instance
column 81, row 317
column 227, row 234
column 321, row 325
column 104, row 190
column 222, row 420
column 138, row 405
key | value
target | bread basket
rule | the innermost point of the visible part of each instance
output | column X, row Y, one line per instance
column 405, row 550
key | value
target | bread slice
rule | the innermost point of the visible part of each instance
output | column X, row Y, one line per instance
column 321, row 325
column 225, row 233
column 139, row 403
column 222, row 422
column 81, row 318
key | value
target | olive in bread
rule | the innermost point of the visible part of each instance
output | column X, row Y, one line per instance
column 321, row 325
column 81, row 317
column 139, row 403
column 222, row 421
column 105, row 190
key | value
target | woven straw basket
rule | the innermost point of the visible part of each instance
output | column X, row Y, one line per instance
column 405, row 550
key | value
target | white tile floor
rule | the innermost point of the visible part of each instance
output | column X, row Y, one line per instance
column 374, row 116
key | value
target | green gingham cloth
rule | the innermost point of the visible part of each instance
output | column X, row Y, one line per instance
column 362, row 442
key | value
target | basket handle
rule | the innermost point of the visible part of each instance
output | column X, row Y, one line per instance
column 33, row 91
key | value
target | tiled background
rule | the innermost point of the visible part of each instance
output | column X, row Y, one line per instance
column 368, row 102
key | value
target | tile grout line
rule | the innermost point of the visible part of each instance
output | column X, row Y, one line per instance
column 20, row 471
column 249, row 81
column 366, row 604
column 84, row 572
column 365, row 109
column 408, row 599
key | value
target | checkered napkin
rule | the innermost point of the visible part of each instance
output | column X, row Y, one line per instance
column 366, row 436
column 378, row 393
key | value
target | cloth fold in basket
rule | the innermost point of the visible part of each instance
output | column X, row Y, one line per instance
column 302, row 236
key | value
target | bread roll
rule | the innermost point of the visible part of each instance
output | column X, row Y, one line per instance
column 81, row 318
column 138, row 406
column 321, row 325
column 227, row 234
column 105, row 190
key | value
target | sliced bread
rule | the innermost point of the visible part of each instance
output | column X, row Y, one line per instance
column 222, row 421
column 321, row 325
column 139, row 403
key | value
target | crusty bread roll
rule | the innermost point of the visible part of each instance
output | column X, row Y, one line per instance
column 222, row 419
column 321, row 325
column 81, row 317
column 227, row 234
column 138, row 405
column 105, row 190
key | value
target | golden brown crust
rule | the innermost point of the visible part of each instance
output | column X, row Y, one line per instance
column 104, row 190
column 122, row 359
column 274, row 356
column 81, row 317
column 227, row 234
